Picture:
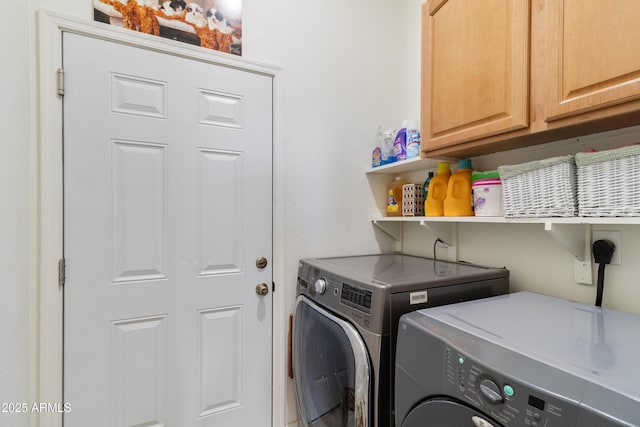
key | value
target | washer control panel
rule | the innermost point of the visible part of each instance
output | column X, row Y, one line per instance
column 356, row 297
column 320, row 285
column 506, row 400
column 349, row 300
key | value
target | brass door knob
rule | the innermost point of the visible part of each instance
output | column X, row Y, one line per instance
column 261, row 262
column 262, row 289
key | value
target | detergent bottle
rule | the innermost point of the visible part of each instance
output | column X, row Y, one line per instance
column 425, row 187
column 400, row 143
column 437, row 191
column 459, row 200
column 394, row 197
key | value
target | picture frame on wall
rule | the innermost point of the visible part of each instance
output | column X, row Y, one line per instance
column 212, row 24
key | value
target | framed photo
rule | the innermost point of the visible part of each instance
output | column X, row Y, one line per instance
column 213, row 24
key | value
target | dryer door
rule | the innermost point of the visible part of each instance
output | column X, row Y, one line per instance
column 331, row 369
column 442, row 412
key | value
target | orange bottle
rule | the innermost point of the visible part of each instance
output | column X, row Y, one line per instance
column 394, row 197
column 459, row 200
column 434, row 205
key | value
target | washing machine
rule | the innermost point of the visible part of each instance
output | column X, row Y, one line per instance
column 522, row 359
column 345, row 322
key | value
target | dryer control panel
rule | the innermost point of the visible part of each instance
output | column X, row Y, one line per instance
column 509, row 401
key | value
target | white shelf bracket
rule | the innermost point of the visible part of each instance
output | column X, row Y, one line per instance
column 448, row 233
column 575, row 238
column 391, row 229
column 442, row 230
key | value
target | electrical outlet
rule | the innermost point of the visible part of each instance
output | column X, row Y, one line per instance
column 612, row 236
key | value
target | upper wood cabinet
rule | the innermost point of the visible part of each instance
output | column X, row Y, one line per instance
column 503, row 74
column 593, row 55
column 475, row 78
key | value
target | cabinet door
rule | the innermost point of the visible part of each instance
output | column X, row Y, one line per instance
column 592, row 54
column 475, row 69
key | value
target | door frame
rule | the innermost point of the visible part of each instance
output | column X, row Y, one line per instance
column 45, row 293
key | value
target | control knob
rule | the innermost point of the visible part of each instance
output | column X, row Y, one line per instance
column 490, row 391
column 320, row 286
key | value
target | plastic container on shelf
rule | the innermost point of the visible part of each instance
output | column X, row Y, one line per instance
column 388, row 155
column 437, row 191
column 476, row 175
column 425, row 187
column 412, row 201
column 487, row 193
column 459, row 200
column 400, row 144
column 376, row 157
column 413, row 139
column 394, row 197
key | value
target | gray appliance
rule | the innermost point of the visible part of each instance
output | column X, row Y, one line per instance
column 346, row 317
column 522, row 359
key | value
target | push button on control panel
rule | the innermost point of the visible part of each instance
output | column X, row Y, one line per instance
column 508, row 390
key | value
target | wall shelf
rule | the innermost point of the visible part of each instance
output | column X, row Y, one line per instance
column 573, row 233
column 503, row 220
column 410, row 165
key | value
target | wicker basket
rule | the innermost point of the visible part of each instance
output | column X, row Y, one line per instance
column 609, row 182
column 544, row 188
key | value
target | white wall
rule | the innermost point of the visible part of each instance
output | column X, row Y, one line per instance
column 345, row 66
column 14, row 207
column 345, row 72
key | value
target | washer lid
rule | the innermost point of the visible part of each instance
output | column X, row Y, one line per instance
column 592, row 343
column 405, row 272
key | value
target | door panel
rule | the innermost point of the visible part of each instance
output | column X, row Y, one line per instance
column 168, row 202
column 139, row 370
column 220, row 351
column 220, row 177
column 139, row 215
column 475, row 69
column 583, row 33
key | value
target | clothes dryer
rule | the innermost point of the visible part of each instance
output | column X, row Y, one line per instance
column 522, row 359
column 345, row 323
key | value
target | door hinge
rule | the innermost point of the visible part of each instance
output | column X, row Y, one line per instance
column 62, row 267
column 273, row 286
column 60, row 81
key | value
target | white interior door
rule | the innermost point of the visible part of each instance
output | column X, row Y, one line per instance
column 168, row 204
